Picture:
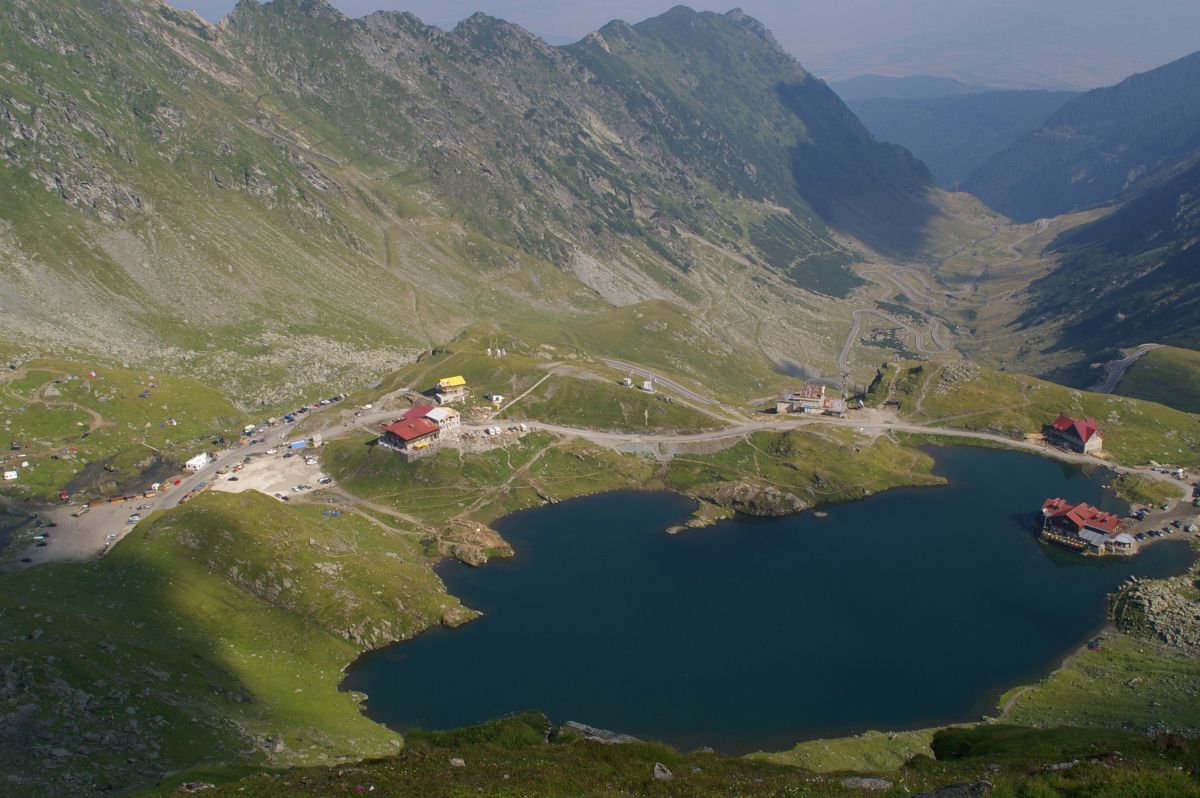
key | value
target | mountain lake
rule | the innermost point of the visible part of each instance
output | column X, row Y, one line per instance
column 908, row 609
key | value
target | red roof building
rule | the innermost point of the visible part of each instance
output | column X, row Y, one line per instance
column 1078, row 518
column 413, row 413
column 403, row 433
column 1077, row 434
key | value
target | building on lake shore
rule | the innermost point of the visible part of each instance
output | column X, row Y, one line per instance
column 1081, row 435
column 422, row 430
column 1084, row 528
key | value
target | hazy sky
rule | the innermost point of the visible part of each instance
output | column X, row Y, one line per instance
column 1081, row 43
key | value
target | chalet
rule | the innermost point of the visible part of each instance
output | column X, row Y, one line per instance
column 809, row 398
column 409, row 436
column 1083, row 528
column 448, row 420
column 1078, row 435
column 451, row 389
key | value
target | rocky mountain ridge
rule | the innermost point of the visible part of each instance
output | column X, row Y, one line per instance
column 323, row 196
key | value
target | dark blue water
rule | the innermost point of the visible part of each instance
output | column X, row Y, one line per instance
column 908, row 609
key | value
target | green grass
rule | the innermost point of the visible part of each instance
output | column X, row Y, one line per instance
column 482, row 487
column 66, row 420
column 817, row 464
column 1143, row 490
column 595, row 404
column 1130, row 683
column 216, row 619
column 660, row 335
column 516, row 756
column 869, row 751
column 1169, row 376
column 1135, row 431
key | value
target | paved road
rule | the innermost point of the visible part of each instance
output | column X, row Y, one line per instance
column 650, row 375
column 617, row 439
column 83, row 538
column 1117, row 369
column 77, row 539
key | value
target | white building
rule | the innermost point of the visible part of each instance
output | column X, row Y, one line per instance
column 448, row 419
column 198, row 462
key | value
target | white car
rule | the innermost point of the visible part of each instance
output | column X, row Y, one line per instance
column 272, row 450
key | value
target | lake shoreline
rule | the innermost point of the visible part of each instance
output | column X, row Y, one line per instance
column 528, row 562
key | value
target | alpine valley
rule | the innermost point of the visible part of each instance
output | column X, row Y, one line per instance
column 298, row 311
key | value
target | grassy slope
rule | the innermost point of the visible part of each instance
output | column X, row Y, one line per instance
column 513, row 758
column 606, row 405
column 823, row 464
column 816, row 465
column 214, row 629
column 1015, row 404
column 1142, row 490
column 1130, row 683
column 126, row 433
column 659, row 335
column 870, row 751
column 1170, row 376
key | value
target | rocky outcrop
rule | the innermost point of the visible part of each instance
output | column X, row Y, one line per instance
column 752, row 499
column 1167, row 610
column 863, row 783
column 593, row 734
column 472, row 543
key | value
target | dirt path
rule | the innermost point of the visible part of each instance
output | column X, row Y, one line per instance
column 95, row 420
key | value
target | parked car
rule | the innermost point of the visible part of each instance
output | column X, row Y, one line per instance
column 324, row 480
column 232, row 479
column 1140, row 536
column 272, row 450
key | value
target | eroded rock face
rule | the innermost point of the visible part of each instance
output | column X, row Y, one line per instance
column 752, row 499
column 1166, row 610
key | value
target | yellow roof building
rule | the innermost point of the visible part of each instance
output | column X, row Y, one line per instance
column 451, row 382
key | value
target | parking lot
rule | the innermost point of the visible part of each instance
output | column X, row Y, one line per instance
column 273, row 474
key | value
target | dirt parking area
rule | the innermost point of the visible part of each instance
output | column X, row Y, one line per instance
column 272, row 474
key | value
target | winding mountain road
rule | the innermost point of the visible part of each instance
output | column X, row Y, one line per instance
column 1117, row 369
column 927, row 343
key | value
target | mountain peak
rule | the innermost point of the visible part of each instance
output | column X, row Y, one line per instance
column 751, row 24
column 489, row 33
column 313, row 9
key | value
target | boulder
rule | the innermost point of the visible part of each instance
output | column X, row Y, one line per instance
column 596, row 735
column 861, row 783
column 662, row 773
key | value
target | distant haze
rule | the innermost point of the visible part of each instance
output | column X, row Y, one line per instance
column 1001, row 43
